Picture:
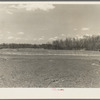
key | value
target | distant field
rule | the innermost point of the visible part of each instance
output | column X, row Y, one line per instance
column 49, row 68
column 28, row 51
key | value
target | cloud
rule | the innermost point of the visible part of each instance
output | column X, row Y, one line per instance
column 10, row 37
column 35, row 39
column 17, row 38
column 41, row 39
column 75, row 29
column 34, row 6
column 42, row 36
column 9, row 12
column 79, row 37
column 6, row 9
column 83, row 36
column 53, row 38
column 85, row 29
column 20, row 33
column 88, row 35
column 38, row 39
column 1, row 35
column 62, row 34
column 8, row 32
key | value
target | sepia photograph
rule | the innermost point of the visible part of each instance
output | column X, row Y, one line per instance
column 49, row 45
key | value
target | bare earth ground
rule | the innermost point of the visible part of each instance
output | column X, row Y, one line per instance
column 49, row 68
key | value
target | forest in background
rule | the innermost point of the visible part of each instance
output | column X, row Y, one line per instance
column 85, row 43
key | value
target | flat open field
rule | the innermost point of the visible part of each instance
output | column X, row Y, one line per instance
column 49, row 68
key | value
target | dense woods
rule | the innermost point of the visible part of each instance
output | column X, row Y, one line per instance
column 86, row 43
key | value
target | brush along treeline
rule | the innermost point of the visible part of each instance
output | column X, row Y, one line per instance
column 85, row 43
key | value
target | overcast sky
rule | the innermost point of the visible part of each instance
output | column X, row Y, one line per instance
column 40, row 23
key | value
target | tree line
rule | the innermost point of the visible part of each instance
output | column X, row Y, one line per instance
column 86, row 43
